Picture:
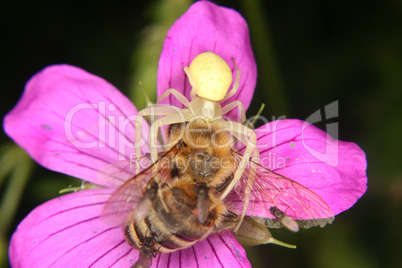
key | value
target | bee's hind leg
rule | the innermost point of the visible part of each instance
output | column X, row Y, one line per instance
column 230, row 219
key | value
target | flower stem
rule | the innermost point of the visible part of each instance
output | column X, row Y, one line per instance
column 269, row 77
column 19, row 166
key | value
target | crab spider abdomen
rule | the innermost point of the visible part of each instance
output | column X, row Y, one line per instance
column 212, row 75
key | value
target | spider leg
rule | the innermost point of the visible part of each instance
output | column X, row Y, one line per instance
column 192, row 83
column 249, row 139
column 235, row 84
column 171, row 91
column 155, row 110
column 170, row 119
column 230, row 106
column 256, row 154
column 181, row 116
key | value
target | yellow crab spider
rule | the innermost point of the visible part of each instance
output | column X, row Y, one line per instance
column 210, row 77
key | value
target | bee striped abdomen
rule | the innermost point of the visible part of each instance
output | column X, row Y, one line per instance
column 177, row 228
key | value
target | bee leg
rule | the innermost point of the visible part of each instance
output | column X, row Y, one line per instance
column 145, row 203
column 146, row 254
column 247, row 137
column 160, row 195
column 229, row 220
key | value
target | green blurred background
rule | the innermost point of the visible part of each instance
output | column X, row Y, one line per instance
column 309, row 54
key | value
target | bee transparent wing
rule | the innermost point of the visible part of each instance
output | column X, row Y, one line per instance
column 123, row 202
column 115, row 174
column 274, row 191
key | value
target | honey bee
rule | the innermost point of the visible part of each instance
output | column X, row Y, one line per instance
column 192, row 176
column 184, row 205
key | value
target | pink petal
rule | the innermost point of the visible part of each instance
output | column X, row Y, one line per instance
column 207, row 27
column 73, row 122
column 69, row 232
column 334, row 170
column 217, row 250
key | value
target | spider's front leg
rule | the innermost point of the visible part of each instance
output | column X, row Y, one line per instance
column 154, row 111
column 248, row 137
column 171, row 91
column 180, row 116
column 230, row 106
column 236, row 83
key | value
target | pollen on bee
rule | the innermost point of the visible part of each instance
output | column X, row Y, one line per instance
column 212, row 75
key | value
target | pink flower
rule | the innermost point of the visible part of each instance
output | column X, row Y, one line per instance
column 76, row 123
